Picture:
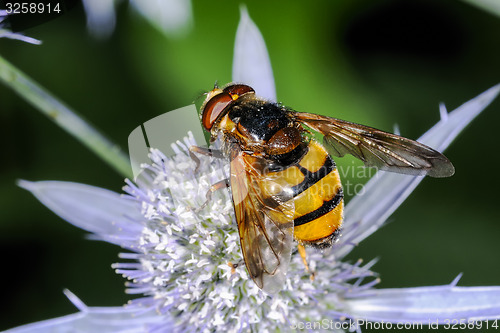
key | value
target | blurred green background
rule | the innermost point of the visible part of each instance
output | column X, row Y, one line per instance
column 373, row 62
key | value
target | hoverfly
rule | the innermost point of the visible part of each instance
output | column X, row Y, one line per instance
column 285, row 184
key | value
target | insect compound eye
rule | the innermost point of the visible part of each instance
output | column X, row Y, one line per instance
column 214, row 107
column 236, row 90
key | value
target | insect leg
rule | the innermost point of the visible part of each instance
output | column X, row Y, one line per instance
column 203, row 151
column 302, row 252
column 215, row 187
column 213, row 153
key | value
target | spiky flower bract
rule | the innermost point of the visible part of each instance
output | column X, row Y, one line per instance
column 6, row 32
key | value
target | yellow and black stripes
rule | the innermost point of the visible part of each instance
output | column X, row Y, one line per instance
column 311, row 178
column 317, row 193
column 318, row 197
column 327, row 207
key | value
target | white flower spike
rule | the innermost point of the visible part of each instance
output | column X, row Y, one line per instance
column 185, row 262
column 251, row 63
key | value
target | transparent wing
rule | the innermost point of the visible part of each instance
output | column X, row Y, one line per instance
column 264, row 212
column 377, row 148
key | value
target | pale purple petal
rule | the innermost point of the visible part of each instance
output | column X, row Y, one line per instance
column 172, row 17
column 442, row 134
column 437, row 304
column 251, row 63
column 383, row 194
column 99, row 319
column 101, row 18
column 18, row 36
column 107, row 214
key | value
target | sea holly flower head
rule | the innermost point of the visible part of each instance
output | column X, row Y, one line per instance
column 186, row 265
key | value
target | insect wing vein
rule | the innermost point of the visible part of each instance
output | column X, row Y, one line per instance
column 377, row 148
column 264, row 213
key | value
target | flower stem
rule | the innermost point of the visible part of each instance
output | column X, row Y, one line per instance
column 68, row 119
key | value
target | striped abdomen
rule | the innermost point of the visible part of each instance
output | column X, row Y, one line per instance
column 318, row 196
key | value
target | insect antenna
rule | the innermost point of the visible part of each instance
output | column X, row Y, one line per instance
column 199, row 95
